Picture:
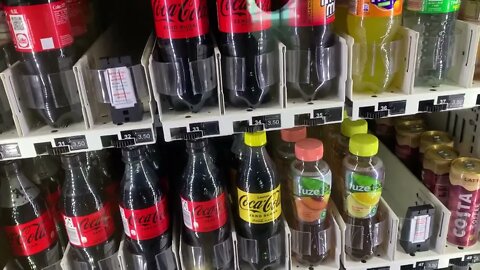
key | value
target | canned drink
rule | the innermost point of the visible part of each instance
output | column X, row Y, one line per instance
column 433, row 137
column 385, row 131
column 409, row 120
column 464, row 201
column 408, row 142
column 436, row 170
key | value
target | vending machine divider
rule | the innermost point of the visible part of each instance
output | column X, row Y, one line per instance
column 409, row 49
column 17, row 111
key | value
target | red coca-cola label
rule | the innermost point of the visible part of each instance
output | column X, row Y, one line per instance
column 147, row 223
column 205, row 216
column 38, row 28
column 244, row 16
column 78, row 14
column 175, row 19
column 304, row 13
column 90, row 230
column 32, row 237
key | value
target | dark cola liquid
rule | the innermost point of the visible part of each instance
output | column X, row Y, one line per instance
column 52, row 90
column 140, row 189
column 201, row 183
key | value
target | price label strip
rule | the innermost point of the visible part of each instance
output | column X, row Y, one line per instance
column 443, row 103
column 195, row 130
column 320, row 117
column 380, row 268
column 385, row 109
column 73, row 143
column 9, row 151
column 474, row 258
column 423, row 265
column 138, row 135
column 268, row 121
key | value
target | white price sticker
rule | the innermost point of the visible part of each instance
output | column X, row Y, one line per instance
column 120, row 87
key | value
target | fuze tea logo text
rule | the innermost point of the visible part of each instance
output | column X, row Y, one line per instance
column 260, row 208
column 363, row 195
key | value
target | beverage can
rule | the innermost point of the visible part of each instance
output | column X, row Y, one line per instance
column 408, row 119
column 464, row 201
column 408, row 140
column 436, row 168
column 434, row 137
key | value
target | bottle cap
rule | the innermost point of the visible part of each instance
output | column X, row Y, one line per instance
column 350, row 128
column 309, row 150
column 293, row 134
column 363, row 145
column 256, row 139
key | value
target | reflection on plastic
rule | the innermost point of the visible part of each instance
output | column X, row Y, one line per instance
column 249, row 250
column 302, row 242
column 355, row 236
column 171, row 78
column 55, row 266
column 198, row 258
column 165, row 260
column 101, row 83
column 110, row 263
column 63, row 84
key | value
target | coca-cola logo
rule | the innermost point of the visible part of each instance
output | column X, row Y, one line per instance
column 265, row 205
column 240, row 7
column 214, row 210
column 145, row 220
column 93, row 223
column 180, row 11
column 28, row 235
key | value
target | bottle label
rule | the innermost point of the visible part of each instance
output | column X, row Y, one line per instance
column 304, row 13
column 433, row 6
column 147, row 223
column 311, row 196
column 376, row 8
column 244, row 16
column 175, row 19
column 90, row 230
column 39, row 28
column 32, row 237
column 259, row 208
column 463, row 226
column 78, row 13
column 205, row 216
column 363, row 194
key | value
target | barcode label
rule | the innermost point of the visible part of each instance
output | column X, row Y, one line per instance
column 18, row 22
column 72, row 231
column 120, row 87
column 420, row 229
column 187, row 217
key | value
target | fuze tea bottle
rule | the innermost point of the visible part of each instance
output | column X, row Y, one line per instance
column 311, row 182
column 364, row 178
column 259, row 206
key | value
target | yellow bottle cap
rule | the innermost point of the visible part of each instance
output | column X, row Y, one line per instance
column 363, row 145
column 350, row 128
column 256, row 139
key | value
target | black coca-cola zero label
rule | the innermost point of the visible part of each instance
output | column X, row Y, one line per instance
column 176, row 19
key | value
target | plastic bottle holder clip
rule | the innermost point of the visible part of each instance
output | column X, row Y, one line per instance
column 365, row 237
column 235, row 71
column 302, row 65
column 51, row 90
column 220, row 257
column 110, row 263
column 304, row 243
column 164, row 260
column 250, row 250
column 171, row 77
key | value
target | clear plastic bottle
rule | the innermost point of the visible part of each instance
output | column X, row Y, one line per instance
column 311, row 188
column 435, row 21
column 364, row 179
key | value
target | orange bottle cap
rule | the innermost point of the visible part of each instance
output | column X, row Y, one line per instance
column 309, row 150
column 293, row 134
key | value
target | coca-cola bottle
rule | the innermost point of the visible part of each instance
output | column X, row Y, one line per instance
column 247, row 44
column 155, row 157
column 26, row 220
column 204, row 207
column 86, row 214
column 146, row 221
column 78, row 13
column 185, row 47
column 43, row 37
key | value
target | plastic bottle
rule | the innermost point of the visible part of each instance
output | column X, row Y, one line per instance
column 31, row 22
column 259, row 206
column 311, row 183
column 204, row 208
column 373, row 26
column 309, row 37
column 26, row 220
column 341, row 12
column 143, row 207
column 247, row 44
column 83, row 203
column 435, row 21
column 364, row 179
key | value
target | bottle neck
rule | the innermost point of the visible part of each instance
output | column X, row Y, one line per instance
column 11, row 168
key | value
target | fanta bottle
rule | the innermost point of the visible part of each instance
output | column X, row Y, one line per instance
column 373, row 25
column 341, row 12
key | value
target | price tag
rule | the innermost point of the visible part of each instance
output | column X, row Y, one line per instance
column 380, row 268
column 452, row 101
column 73, row 143
column 384, row 109
column 320, row 117
column 138, row 135
column 207, row 128
column 474, row 258
column 424, row 265
column 268, row 121
column 429, row 106
column 9, row 151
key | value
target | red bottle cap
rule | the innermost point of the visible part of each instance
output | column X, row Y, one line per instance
column 309, row 150
column 294, row 134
